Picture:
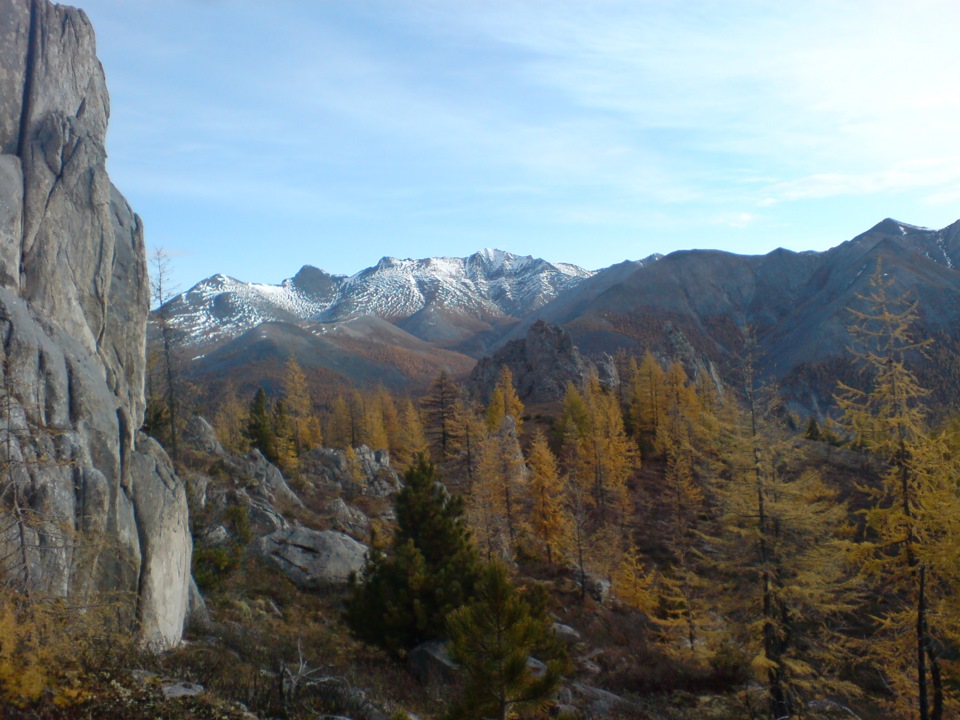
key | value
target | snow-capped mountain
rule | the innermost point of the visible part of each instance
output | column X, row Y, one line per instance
column 486, row 286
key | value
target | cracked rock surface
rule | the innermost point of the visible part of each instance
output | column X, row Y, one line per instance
column 104, row 510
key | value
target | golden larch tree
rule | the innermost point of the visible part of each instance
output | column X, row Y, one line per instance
column 230, row 422
column 914, row 509
column 646, row 397
column 442, row 408
column 412, row 440
column 788, row 563
column 298, row 403
column 504, row 401
column 549, row 520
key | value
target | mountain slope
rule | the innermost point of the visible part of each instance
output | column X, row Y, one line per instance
column 697, row 304
column 362, row 352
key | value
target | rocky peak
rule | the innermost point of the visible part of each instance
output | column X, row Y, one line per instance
column 74, row 299
column 542, row 364
column 315, row 282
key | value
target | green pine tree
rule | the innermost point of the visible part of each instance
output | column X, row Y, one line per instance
column 260, row 430
column 405, row 595
column 493, row 638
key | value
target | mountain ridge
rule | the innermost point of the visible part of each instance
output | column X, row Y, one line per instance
column 695, row 305
column 489, row 285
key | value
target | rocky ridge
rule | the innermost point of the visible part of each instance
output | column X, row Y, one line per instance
column 105, row 512
column 542, row 364
column 489, row 284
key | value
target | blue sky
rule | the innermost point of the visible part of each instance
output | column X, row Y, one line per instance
column 255, row 137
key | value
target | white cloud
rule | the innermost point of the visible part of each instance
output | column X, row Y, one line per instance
column 903, row 176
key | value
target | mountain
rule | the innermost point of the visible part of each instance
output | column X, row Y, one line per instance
column 697, row 305
column 445, row 301
column 420, row 316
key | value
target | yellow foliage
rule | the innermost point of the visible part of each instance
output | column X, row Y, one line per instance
column 549, row 518
column 633, row 584
column 45, row 642
column 504, row 402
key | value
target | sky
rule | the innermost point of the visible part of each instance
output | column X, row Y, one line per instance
column 255, row 137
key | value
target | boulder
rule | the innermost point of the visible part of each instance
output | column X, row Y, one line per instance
column 313, row 558
column 160, row 505
column 537, row 668
column 597, row 587
column 197, row 613
column 566, row 633
column 263, row 478
column 264, row 517
column 181, row 689
column 598, row 702
column 200, row 435
column 349, row 519
column 430, row 662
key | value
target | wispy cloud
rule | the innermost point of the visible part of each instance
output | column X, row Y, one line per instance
column 928, row 174
column 432, row 119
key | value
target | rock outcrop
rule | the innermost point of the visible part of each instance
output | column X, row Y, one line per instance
column 313, row 558
column 93, row 505
column 542, row 364
column 370, row 473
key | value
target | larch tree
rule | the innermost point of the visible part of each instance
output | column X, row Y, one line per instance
column 391, row 419
column 497, row 491
column 646, row 397
column 634, row 583
column 787, row 563
column 442, row 411
column 608, row 456
column 375, row 431
column 166, row 384
column 412, row 440
column 549, row 520
column 356, row 414
column 230, row 422
column 339, row 429
column 681, row 503
column 286, row 456
column 576, row 500
column 475, row 433
column 504, row 401
column 304, row 434
column 914, row 508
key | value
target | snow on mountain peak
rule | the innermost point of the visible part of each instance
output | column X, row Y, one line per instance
column 490, row 283
column 494, row 258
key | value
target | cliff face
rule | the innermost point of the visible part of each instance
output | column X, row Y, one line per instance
column 89, row 504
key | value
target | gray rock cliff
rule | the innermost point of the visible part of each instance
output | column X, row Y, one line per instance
column 542, row 364
column 87, row 503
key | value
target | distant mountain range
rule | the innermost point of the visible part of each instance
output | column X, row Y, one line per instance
column 443, row 300
column 400, row 321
